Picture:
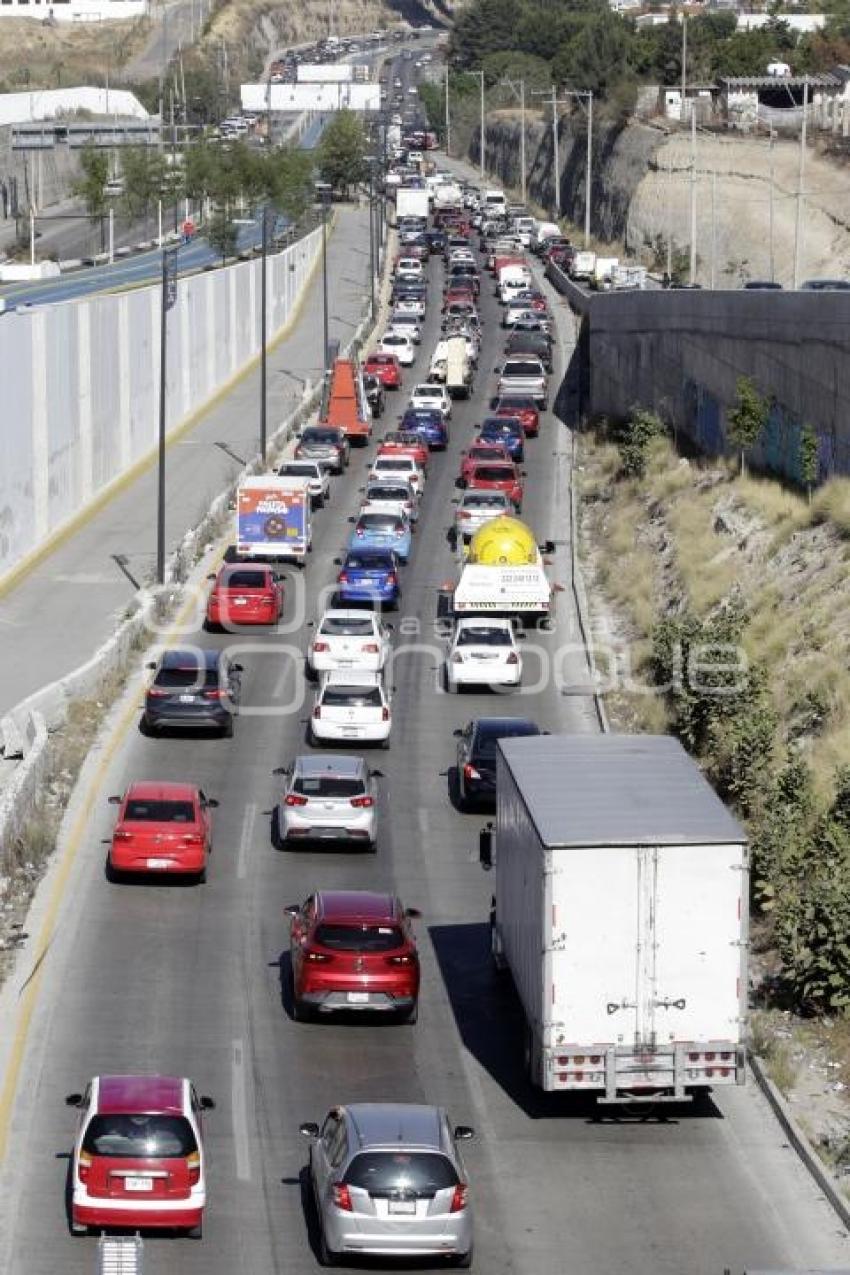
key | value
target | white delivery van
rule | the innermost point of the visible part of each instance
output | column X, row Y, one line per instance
column 512, row 279
column 603, row 272
column 526, row 228
column 495, row 204
column 458, row 379
column 583, row 265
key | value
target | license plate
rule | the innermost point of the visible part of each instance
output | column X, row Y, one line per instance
column 358, row 998
column 138, row 1184
column 402, row 1206
column 240, row 602
column 349, row 732
column 186, row 699
column 155, row 865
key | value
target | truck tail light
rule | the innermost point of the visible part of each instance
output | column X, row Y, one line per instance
column 460, row 1199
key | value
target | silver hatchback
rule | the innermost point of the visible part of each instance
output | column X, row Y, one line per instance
column 327, row 797
column 388, row 1180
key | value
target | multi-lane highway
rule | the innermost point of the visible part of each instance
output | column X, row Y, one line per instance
column 190, row 980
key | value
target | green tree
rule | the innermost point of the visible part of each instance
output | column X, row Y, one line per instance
column 221, row 233
column 809, row 460
column 533, row 70
column 633, row 439
column 91, row 185
column 342, row 152
column 746, row 420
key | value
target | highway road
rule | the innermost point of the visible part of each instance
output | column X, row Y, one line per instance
column 189, row 980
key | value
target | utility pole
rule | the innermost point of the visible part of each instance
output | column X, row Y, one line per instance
column 589, row 180
column 324, row 192
column 684, row 65
column 556, row 159
column 483, row 140
column 522, row 163
column 713, row 229
column 798, row 229
column 268, row 214
column 448, row 116
column 167, row 299
column 693, row 268
column 770, row 232
column 669, row 217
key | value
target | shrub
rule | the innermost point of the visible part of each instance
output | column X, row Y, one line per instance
column 633, row 439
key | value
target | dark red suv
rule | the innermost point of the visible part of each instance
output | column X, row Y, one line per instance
column 353, row 950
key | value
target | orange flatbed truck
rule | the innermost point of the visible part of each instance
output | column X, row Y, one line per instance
column 345, row 405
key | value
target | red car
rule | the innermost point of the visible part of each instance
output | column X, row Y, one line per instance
column 459, row 296
column 497, row 476
column 139, row 1159
column 386, row 368
column 404, row 442
column 162, row 828
column 522, row 406
column 244, row 595
column 353, row 950
column 480, row 453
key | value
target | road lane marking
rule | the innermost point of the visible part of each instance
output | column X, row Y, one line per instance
column 239, row 1105
column 246, row 839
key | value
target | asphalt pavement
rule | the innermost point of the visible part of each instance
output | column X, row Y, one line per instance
column 190, row 980
column 79, row 583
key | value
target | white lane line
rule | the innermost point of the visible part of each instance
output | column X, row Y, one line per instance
column 239, row 1106
column 283, row 678
column 246, row 839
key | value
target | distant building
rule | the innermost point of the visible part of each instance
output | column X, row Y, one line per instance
column 51, row 104
column 799, row 23
column 652, row 20
column 748, row 100
column 73, row 10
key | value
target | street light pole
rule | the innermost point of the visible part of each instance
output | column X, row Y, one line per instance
column 589, row 181
column 693, row 265
column 448, row 117
column 324, row 194
column 372, row 220
column 167, row 299
column 522, row 164
column 555, row 156
column 798, row 228
column 263, row 338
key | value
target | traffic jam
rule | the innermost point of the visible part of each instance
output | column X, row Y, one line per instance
column 386, row 1179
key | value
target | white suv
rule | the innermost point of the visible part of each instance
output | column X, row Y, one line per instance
column 433, row 396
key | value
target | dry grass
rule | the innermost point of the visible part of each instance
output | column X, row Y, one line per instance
column 705, row 563
column 33, row 55
column 831, row 504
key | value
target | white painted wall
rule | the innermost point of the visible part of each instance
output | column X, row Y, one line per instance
column 81, row 382
column 46, row 104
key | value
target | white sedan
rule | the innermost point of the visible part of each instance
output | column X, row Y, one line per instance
column 348, row 639
column 410, row 305
column 400, row 344
column 409, row 268
column 483, row 652
column 403, row 468
column 433, row 396
column 351, row 704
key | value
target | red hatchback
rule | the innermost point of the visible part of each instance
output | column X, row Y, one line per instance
column 139, row 1156
column 522, row 406
column 353, row 950
column 480, row 453
column 162, row 828
column 244, row 595
column 386, row 368
column 497, row 476
column 404, row 442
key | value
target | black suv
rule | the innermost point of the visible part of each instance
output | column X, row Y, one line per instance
column 476, row 756
column 192, row 690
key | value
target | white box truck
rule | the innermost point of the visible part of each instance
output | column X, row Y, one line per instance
column 620, row 910
column 410, row 202
column 274, row 519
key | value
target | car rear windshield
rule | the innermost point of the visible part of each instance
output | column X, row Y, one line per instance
column 386, row 1172
column 244, row 580
column 387, row 493
column 483, row 637
column 517, row 367
column 182, row 678
column 354, row 627
column 320, row 436
column 328, row 786
column 359, row 938
column 394, row 462
column 485, row 500
column 380, row 522
column 368, row 562
column 140, row 1137
column 516, row 401
column 492, row 474
column 485, row 744
column 307, row 469
column 352, row 697
column 502, row 425
column 160, row 811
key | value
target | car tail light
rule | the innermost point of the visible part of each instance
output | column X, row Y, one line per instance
column 216, row 694
column 83, row 1166
column 385, row 713
column 294, row 799
column 392, row 578
column 342, row 578
column 369, row 648
column 156, row 692
column 317, row 711
column 318, row 958
column 193, row 1164
column 342, row 1197
column 360, row 531
column 215, row 596
column 469, row 772
column 319, row 647
column 193, row 839
column 404, row 959
column 513, row 658
column 122, row 836
column 362, row 803
column 460, row 1199
column 399, row 532
column 464, row 513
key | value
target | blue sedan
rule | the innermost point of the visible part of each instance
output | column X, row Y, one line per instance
column 382, row 531
column 506, row 430
column 428, row 423
column 369, row 575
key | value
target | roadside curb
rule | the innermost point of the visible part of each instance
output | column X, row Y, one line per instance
column 826, row 1181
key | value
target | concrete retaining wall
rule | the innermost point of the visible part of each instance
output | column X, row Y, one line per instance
column 681, row 353
column 81, row 383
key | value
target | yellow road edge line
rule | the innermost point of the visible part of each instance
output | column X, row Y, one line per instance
column 27, row 998
column 118, row 484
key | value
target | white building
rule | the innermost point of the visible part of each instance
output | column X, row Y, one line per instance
column 799, row 23
column 50, row 104
column 73, row 10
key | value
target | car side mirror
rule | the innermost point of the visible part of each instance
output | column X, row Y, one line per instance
column 495, row 369
column 485, row 847
column 309, row 1129
column 74, row 1100
column 520, row 636
column 457, row 733
column 151, row 665
column 207, row 1103
column 211, row 576
column 413, row 913
column 390, row 628
column 114, row 801
column 293, row 909
column 212, row 803
column 464, row 1132
column 548, row 546
column 337, row 562
column 237, row 668
column 351, row 520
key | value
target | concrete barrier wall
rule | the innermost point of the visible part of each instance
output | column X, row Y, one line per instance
column 681, row 353
column 81, row 383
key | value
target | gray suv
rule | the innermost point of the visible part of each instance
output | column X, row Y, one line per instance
column 388, row 1180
